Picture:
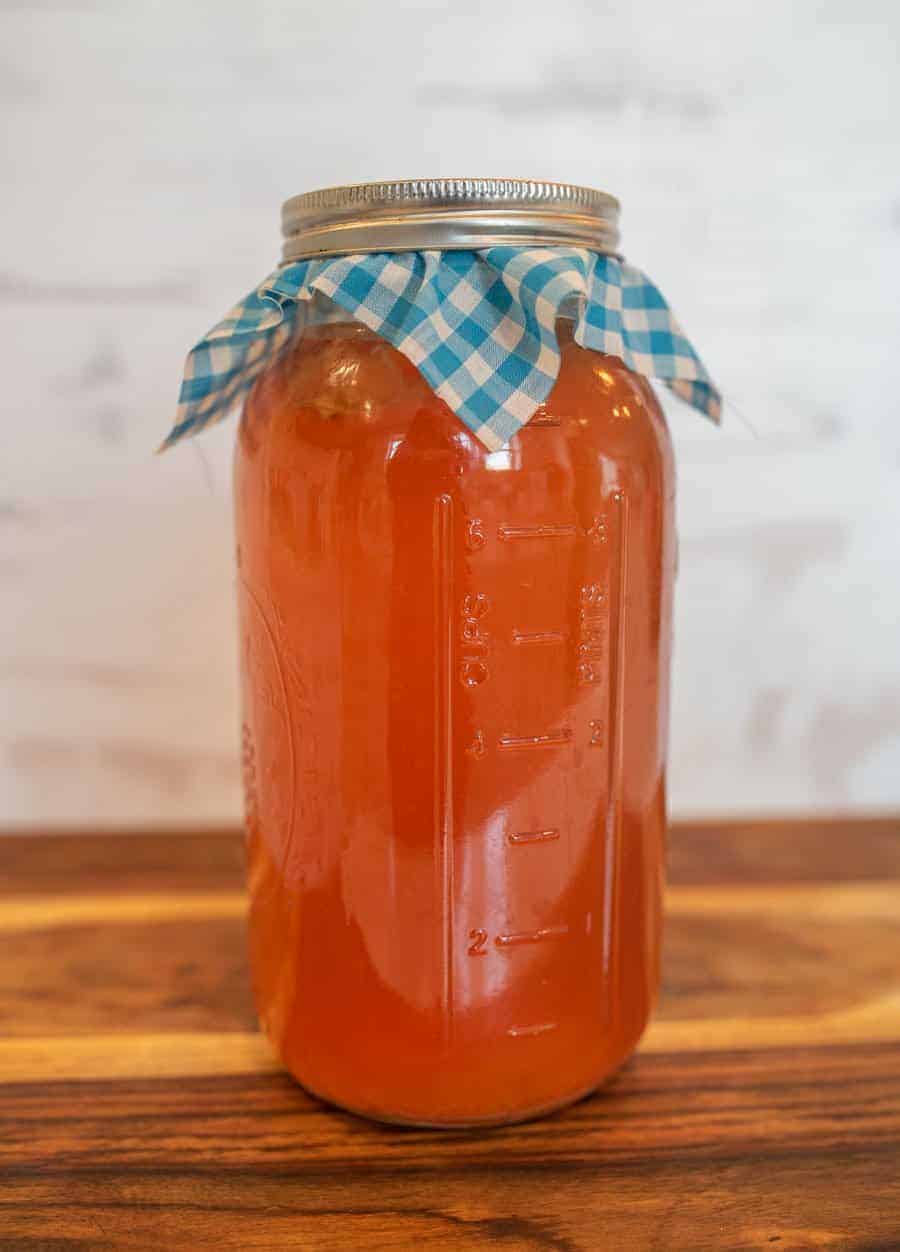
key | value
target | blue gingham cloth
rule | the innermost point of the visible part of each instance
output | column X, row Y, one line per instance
column 479, row 325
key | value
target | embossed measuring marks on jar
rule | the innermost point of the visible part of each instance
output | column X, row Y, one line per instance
column 473, row 640
column 535, row 607
column 479, row 938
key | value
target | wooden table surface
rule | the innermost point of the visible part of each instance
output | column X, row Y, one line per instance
column 139, row 1108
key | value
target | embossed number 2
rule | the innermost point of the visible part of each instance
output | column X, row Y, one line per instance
column 479, row 939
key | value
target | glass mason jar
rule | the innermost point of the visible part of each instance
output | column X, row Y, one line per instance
column 455, row 674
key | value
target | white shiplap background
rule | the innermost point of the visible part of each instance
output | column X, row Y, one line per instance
column 146, row 149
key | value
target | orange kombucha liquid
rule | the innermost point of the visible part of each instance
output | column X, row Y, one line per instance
column 455, row 675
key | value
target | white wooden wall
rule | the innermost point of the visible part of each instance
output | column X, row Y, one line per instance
column 146, row 149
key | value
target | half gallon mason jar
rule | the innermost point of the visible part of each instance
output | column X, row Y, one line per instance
column 455, row 671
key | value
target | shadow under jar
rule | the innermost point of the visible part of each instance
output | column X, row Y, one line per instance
column 455, row 686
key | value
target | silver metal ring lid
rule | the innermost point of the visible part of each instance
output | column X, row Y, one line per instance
column 448, row 213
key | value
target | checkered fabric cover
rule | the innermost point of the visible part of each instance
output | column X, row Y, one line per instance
column 480, row 326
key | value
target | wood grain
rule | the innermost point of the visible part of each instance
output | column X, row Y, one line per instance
column 139, row 1108
column 120, row 862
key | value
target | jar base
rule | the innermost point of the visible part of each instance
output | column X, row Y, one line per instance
column 468, row 1123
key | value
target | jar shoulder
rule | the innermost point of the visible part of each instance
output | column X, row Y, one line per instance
column 343, row 387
